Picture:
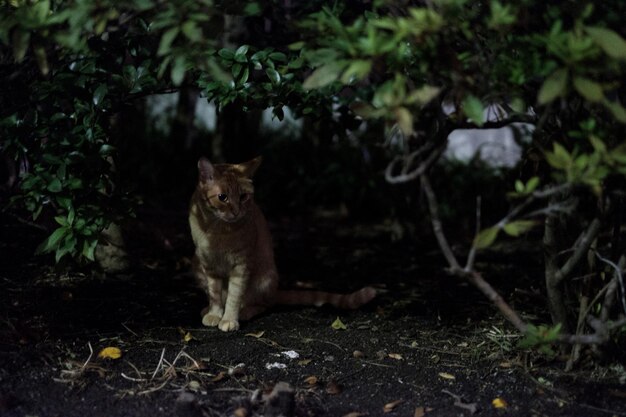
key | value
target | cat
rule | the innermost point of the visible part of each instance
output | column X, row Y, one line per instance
column 234, row 258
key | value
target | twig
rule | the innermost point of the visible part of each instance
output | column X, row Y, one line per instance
column 601, row 335
column 618, row 275
column 433, row 207
column 586, row 238
column 158, row 367
column 416, row 172
column 610, row 292
column 471, row 256
column 458, row 402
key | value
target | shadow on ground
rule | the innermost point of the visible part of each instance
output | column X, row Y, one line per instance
column 429, row 345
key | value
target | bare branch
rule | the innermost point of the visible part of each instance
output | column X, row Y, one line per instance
column 433, row 208
column 586, row 238
column 475, row 278
column 511, row 315
column 610, row 296
column 601, row 335
column 408, row 160
column 471, row 256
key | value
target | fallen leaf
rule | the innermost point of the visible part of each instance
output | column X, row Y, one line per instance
column 219, row 377
column 499, row 403
column 388, row 408
column 187, row 337
column 338, row 325
column 505, row 364
column 311, row 380
column 358, row 354
column 256, row 335
column 446, row 375
column 395, row 356
column 333, row 388
column 304, row 362
column 419, row 412
column 194, row 386
column 355, row 414
column 110, row 353
column 241, row 412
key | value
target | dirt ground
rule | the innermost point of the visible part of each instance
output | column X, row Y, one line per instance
column 429, row 345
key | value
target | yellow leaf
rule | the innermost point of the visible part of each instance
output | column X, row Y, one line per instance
column 312, row 380
column 338, row 325
column 446, row 375
column 395, row 356
column 499, row 403
column 110, row 353
column 388, row 408
column 187, row 338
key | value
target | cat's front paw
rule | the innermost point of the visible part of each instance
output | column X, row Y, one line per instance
column 228, row 325
column 211, row 320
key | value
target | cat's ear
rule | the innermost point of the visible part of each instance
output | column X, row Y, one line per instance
column 206, row 170
column 249, row 168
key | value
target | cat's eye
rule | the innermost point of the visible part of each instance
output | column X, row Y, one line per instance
column 222, row 197
column 244, row 198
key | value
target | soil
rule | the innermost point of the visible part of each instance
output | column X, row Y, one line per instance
column 428, row 345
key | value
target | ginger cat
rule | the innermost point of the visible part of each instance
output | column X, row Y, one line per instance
column 234, row 259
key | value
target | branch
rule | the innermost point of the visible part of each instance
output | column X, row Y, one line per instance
column 433, row 208
column 471, row 256
column 601, row 335
column 474, row 277
column 586, row 238
column 497, row 124
column 406, row 176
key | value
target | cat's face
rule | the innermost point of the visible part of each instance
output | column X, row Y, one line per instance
column 227, row 188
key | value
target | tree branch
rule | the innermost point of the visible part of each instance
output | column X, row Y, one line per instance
column 433, row 208
column 586, row 238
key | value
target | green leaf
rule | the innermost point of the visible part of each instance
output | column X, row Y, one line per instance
column 518, row 227
column 165, row 45
column 278, row 56
column 589, row 89
column 486, row 237
column 611, row 43
column 532, row 184
column 178, row 70
column 473, row 109
column 357, row 70
column 338, row 325
column 323, row 75
column 55, row 185
column 21, row 40
column 240, row 53
column 273, row 75
column 89, row 249
column 554, row 86
column 99, row 94
column 227, row 54
column 423, row 95
column 519, row 186
column 252, row 9
column 52, row 241
column 597, row 144
column 404, row 120
column 559, row 158
column 192, row 31
column 616, row 109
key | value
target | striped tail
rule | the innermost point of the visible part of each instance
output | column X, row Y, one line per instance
column 319, row 298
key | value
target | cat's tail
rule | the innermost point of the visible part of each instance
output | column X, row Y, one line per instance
column 319, row 298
